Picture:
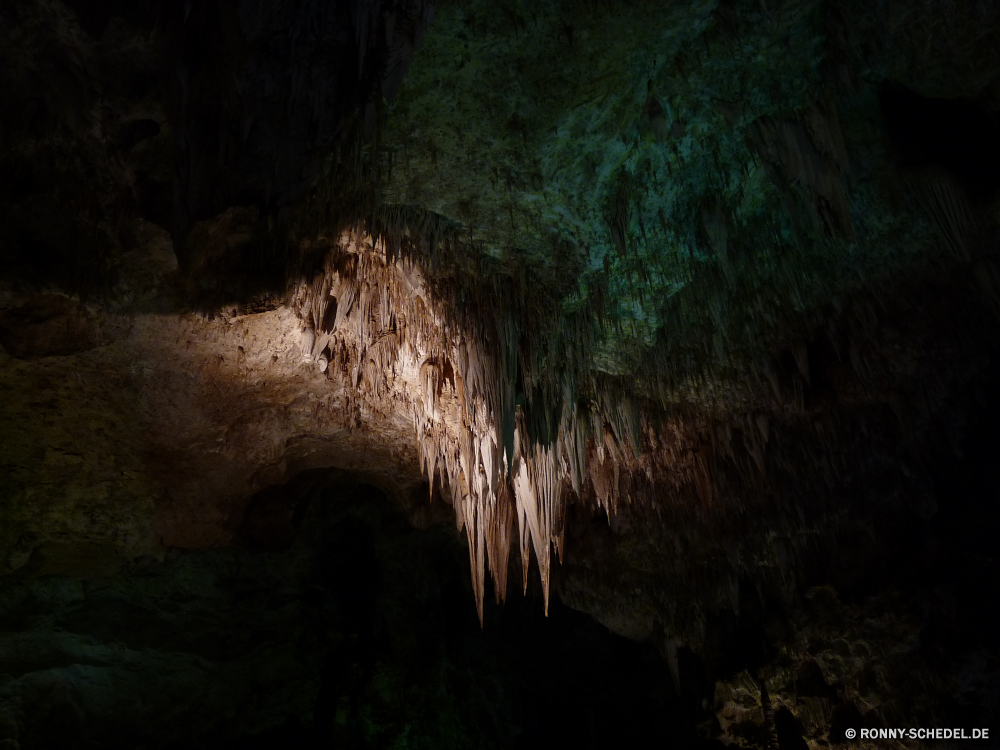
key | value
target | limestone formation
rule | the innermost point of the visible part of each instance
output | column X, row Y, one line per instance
column 683, row 316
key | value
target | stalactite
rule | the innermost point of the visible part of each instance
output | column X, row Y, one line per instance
column 500, row 523
column 503, row 457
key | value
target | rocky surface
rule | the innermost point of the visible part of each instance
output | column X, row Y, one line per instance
column 184, row 419
column 361, row 634
column 693, row 310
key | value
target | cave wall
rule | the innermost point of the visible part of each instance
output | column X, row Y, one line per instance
column 358, row 634
column 693, row 309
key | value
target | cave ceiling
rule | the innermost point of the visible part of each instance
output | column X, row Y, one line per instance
column 682, row 168
column 657, row 303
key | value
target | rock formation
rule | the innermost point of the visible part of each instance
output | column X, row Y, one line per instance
column 693, row 307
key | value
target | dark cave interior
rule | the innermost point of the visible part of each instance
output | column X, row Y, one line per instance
column 380, row 611
column 499, row 374
column 957, row 134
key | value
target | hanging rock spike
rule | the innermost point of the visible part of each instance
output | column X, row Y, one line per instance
column 499, row 462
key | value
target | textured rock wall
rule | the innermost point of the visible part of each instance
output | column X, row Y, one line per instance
column 697, row 305
column 360, row 634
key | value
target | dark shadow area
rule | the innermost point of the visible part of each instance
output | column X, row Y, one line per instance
column 958, row 134
column 362, row 633
column 961, row 624
column 789, row 731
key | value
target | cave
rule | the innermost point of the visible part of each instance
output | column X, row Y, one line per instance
column 467, row 374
